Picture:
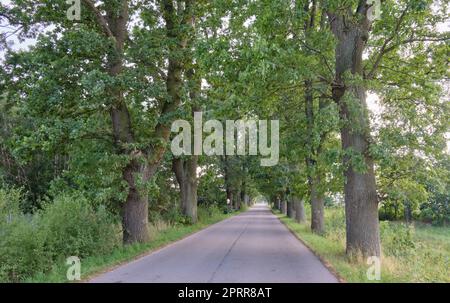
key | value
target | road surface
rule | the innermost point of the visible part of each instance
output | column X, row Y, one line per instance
column 251, row 247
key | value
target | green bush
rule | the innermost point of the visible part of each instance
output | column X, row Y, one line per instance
column 9, row 201
column 397, row 239
column 205, row 212
column 32, row 244
column 73, row 228
column 22, row 251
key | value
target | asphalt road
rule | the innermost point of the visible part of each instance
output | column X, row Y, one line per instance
column 251, row 247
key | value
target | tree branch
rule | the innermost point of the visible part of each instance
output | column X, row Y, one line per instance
column 386, row 42
column 101, row 21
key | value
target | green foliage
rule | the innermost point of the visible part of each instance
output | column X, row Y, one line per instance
column 33, row 244
column 205, row 212
column 211, row 189
column 398, row 239
column 73, row 228
column 22, row 251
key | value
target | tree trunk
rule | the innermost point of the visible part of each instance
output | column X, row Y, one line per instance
column 289, row 208
column 283, row 206
column 226, row 173
column 317, row 220
column 135, row 208
column 300, row 215
column 242, row 195
column 237, row 199
column 186, row 174
column 186, row 169
column 317, row 208
column 408, row 212
column 361, row 204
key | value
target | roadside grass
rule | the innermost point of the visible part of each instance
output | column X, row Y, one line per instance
column 417, row 253
column 161, row 233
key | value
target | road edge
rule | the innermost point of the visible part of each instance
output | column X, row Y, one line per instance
column 324, row 261
column 146, row 253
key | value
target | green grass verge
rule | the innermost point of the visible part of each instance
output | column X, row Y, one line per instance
column 418, row 253
column 93, row 265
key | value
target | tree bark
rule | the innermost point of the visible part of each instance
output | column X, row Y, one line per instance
column 247, row 200
column 186, row 174
column 226, row 172
column 317, row 207
column 361, row 202
column 408, row 212
column 237, row 199
column 316, row 197
column 283, row 206
column 135, row 208
column 289, row 208
column 243, row 195
column 299, row 205
column 186, row 169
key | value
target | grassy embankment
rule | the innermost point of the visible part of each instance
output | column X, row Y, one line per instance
column 416, row 253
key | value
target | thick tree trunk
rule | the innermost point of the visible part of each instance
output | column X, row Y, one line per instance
column 135, row 208
column 248, row 201
column 299, row 205
column 230, row 198
column 186, row 169
column 317, row 201
column 186, row 174
column 243, row 200
column 317, row 208
column 283, row 206
column 237, row 199
column 361, row 204
column 289, row 208
column 190, row 205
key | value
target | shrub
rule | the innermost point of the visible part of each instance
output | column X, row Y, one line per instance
column 335, row 224
column 173, row 216
column 210, row 211
column 397, row 239
column 21, row 242
column 9, row 201
column 73, row 228
column 22, row 252
column 31, row 244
